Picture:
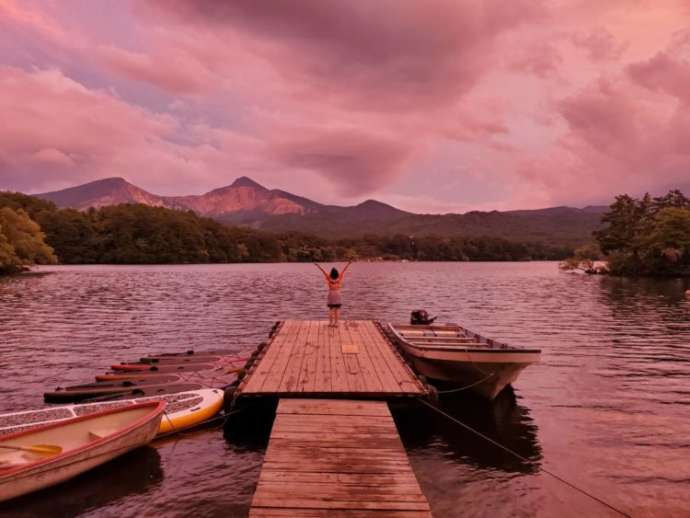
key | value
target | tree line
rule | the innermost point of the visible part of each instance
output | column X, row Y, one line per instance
column 641, row 237
column 140, row 234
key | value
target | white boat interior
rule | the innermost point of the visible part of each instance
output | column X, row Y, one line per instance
column 444, row 335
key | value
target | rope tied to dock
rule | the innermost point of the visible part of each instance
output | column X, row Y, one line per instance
column 466, row 387
column 524, row 459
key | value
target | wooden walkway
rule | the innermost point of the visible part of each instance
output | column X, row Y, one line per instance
column 336, row 458
column 310, row 359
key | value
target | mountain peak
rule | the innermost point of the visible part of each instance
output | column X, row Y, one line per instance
column 245, row 181
column 378, row 207
column 99, row 193
column 372, row 203
column 113, row 182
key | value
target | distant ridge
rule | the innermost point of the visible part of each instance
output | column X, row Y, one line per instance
column 246, row 202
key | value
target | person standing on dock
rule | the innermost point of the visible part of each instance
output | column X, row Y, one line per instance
column 334, row 281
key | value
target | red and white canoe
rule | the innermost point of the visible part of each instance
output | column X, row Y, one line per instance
column 79, row 445
column 162, row 369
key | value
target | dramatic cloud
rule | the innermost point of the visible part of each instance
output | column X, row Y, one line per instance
column 388, row 54
column 357, row 163
column 668, row 71
column 600, row 44
column 435, row 104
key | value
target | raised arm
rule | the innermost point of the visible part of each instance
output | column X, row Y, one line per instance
column 322, row 270
column 345, row 269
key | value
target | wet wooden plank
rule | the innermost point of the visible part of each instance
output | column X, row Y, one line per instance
column 353, row 373
column 405, row 379
column 324, row 363
column 331, row 513
column 315, row 466
column 306, row 382
column 268, row 371
column 288, row 384
column 372, row 382
column 325, row 406
column 339, row 373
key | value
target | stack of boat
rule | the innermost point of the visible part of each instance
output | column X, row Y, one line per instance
column 154, row 376
column 124, row 408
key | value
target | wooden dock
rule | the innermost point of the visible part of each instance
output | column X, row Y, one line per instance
column 336, row 458
column 310, row 359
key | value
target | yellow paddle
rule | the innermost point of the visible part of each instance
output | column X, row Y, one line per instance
column 41, row 449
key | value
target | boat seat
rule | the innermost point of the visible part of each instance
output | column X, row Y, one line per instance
column 15, row 462
column 9, row 464
column 101, row 433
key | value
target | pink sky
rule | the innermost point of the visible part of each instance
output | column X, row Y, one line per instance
column 430, row 105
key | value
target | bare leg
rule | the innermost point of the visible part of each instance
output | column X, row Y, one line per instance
column 330, row 317
column 336, row 312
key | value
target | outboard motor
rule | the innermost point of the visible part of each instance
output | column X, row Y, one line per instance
column 420, row 317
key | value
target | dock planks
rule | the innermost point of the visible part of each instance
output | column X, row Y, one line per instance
column 337, row 458
column 307, row 358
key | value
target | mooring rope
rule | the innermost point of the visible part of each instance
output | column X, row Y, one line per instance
column 525, row 459
column 460, row 389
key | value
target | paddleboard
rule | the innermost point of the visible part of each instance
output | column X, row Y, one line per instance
column 129, row 382
column 142, row 367
column 73, row 396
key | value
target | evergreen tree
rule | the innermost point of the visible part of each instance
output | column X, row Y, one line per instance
column 647, row 236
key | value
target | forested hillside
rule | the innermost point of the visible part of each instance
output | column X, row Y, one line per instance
column 140, row 234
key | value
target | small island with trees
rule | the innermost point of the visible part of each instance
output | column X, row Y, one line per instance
column 646, row 237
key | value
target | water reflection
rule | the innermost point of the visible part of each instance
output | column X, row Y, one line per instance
column 134, row 473
column 503, row 420
column 250, row 428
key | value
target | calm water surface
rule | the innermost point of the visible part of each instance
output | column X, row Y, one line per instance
column 608, row 407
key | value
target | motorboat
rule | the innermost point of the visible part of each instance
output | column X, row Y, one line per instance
column 453, row 357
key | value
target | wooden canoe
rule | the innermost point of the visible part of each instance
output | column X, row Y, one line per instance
column 86, row 442
column 184, row 410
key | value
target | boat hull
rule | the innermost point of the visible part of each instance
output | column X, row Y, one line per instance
column 486, row 379
column 70, row 464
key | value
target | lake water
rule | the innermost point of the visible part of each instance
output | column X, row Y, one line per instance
column 608, row 408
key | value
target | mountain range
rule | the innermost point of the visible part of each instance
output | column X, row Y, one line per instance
column 247, row 203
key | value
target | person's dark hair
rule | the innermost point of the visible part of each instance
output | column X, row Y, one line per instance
column 334, row 273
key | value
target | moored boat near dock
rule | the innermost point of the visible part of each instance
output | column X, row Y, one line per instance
column 454, row 357
column 45, row 456
column 184, row 410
